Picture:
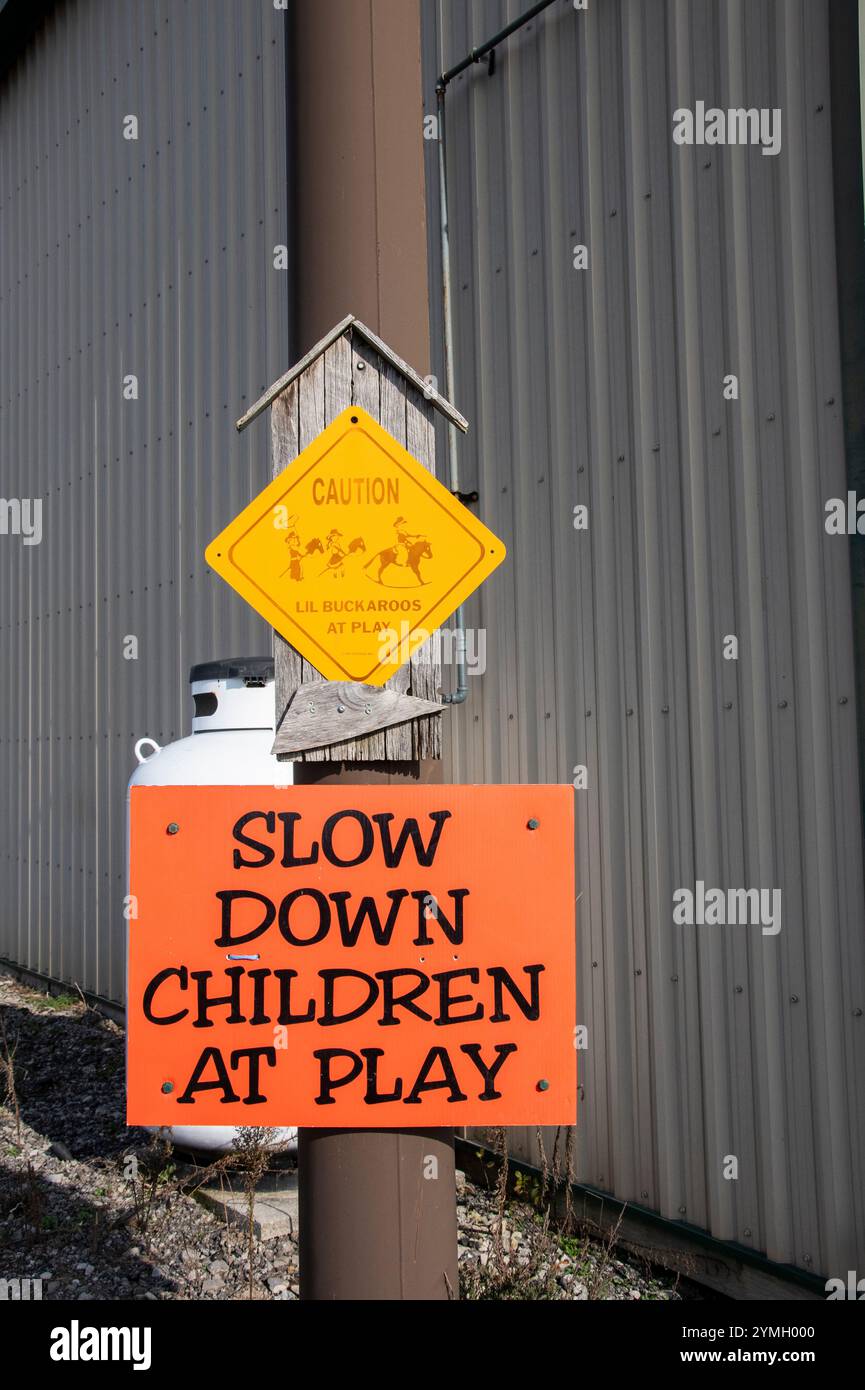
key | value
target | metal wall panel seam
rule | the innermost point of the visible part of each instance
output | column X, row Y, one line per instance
column 701, row 637
column 664, row 703
column 752, row 268
column 564, row 491
column 834, row 1165
column 626, row 439
column 748, row 812
column 597, row 1146
column 756, row 863
column 108, row 268
column 619, row 1170
column 662, row 1089
column 838, row 604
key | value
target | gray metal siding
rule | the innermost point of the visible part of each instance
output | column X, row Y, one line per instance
column 604, row 387
column 152, row 257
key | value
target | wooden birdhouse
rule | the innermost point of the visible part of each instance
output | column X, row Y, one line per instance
column 355, row 553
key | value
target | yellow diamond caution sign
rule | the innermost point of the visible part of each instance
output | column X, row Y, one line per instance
column 355, row 554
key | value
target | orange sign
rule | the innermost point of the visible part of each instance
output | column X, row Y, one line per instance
column 361, row 957
column 355, row 553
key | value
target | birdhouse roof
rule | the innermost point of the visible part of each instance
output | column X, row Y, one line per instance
column 380, row 347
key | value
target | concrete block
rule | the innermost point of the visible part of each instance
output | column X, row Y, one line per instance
column 274, row 1211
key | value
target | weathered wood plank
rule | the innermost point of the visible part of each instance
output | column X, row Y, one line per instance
column 311, row 422
column 366, row 379
column 425, row 680
column 337, row 397
column 337, row 379
column 351, row 372
column 284, row 450
column 321, row 713
column 359, row 330
column 399, row 743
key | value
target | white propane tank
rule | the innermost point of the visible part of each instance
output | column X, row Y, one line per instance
column 232, row 735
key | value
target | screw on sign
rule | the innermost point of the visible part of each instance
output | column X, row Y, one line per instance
column 405, row 959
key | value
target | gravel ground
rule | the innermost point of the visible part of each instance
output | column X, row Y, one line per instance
column 96, row 1210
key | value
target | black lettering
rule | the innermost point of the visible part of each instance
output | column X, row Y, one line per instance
column 255, row 1054
column 222, row 1083
column 425, row 854
column 235, row 973
column 447, row 1001
column 329, row 1083
column 392, row 1001
column 290, row 859
column 285, row 978
column 366, row 843
column 329, row 1017
column 149, row 993
column 228, row 897
column 530, row 1008
column 267, row 854
column 350, row 931
column 373, row 1095
column 452, row 930
column 448, row 1081
column 473, row 1051
column 258, row 978
column 323, row 927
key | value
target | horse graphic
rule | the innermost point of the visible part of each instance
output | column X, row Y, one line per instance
column 416, row 552
column 298, row 554
column 336, row 559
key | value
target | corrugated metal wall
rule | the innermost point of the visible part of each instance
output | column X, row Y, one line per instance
column 152, row 257
column 604, row 387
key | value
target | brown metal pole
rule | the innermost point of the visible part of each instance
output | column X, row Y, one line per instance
column 377, row 1206
column 361, row 235
column 377, row 1214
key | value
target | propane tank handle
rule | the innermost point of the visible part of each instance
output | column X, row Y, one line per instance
column 139, row 746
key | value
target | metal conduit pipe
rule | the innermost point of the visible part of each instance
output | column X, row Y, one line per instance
column 460, row 694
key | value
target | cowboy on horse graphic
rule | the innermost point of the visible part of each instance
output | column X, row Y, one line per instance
column 408, row 553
